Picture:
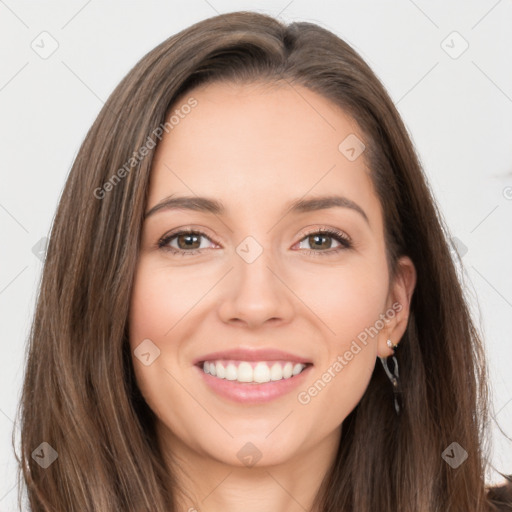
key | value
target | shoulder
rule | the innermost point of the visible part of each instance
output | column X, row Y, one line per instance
column 501, row 496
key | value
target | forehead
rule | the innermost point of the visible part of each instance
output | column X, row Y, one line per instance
column 260, row 144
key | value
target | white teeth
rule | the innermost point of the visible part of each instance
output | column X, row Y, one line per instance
column 246, row 372
column 297, row 368
column 261, row 373
column 287, row 370
column 276, row 372
column 231, row 373
column 221, row 371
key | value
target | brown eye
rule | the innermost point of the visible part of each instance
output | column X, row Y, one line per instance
column 188, row 241
column 184, row 242
column 321, row 241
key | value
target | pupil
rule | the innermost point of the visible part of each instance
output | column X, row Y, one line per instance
column 318, row 237
column 188, row 238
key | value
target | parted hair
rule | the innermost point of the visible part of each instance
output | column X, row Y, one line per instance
column 79, row 392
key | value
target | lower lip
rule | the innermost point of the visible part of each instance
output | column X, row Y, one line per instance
column 253, row 392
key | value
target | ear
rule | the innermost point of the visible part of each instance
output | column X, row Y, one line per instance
column 397, row 306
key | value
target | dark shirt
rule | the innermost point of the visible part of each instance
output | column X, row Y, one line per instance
column 501, row 496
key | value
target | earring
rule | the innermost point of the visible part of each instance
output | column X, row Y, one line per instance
column 394, row 377
column 389, row 343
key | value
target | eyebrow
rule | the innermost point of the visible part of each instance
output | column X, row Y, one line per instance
column 209, row 205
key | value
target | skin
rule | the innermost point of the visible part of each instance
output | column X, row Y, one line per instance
column 256, row 147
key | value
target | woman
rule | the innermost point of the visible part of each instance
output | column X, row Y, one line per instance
column 248, row 300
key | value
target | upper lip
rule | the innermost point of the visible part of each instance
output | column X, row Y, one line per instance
column 247, row 354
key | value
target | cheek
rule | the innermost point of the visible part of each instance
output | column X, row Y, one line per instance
column 147, row 305
column 337, row 385
column 150, row 319
column 162, row 309
column 336, row 392
column 160, row 299
column 347, row 300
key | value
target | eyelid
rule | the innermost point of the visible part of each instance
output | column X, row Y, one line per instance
column 340, row 236
column 190, row 229
column 344, row 241
column 327, row 230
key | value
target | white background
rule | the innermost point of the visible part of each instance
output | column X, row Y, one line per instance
column 457, row 110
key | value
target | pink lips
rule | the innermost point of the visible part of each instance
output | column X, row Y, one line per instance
column 244, row 354
column 252, row 392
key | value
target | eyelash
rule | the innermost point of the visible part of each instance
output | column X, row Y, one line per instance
column 339, row 236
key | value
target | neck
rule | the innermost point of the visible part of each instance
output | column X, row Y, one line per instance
column 206, row 484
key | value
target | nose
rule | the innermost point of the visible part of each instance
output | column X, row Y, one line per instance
column 255, row 293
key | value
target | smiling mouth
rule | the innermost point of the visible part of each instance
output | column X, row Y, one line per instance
column 257, row 372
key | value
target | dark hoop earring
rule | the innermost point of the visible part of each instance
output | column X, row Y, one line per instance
column 394, row 377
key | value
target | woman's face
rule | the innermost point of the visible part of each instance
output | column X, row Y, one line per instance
column 257, row 291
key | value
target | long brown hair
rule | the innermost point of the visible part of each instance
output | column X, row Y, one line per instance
column 79, row 394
